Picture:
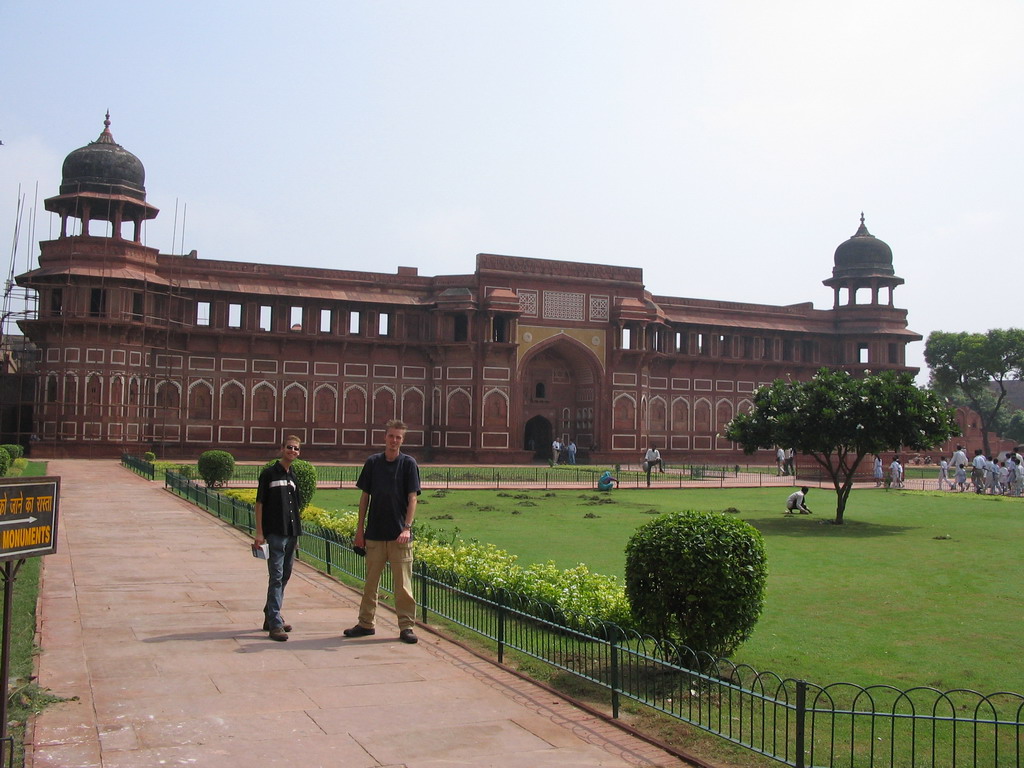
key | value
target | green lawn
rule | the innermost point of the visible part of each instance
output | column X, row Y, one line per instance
column 877, row 600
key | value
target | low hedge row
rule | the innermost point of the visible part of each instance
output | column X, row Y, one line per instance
column 10, row 454
column 581, row 595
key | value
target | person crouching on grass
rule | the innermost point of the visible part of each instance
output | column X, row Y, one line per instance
column 797, row 502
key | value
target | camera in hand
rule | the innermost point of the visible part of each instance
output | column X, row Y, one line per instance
column 361, row 551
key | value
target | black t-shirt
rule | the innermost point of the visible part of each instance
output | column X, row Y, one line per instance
column 389, row 484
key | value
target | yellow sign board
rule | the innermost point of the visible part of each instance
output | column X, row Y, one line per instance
column 28, row 516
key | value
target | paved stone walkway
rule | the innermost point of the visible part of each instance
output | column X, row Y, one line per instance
column 150, row 615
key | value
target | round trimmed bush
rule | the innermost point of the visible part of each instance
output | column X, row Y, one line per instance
column 305, row 474
column 15, row 450
column 5, row 461
column 149, row 456
column 216, row 467
column 697, row 578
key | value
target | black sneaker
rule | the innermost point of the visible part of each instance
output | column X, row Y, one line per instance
column 358, row 631
column 408, row 636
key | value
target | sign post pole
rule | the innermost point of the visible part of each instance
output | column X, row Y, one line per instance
column 10, row 573
column 28, row 528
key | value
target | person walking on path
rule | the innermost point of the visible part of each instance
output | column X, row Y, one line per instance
column 278, row 503
column 896, row 473
column 959, row 457
column 877, row 471
column 788, row 466
column 390, row 482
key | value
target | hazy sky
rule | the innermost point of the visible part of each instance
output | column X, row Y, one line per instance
column 725, row 147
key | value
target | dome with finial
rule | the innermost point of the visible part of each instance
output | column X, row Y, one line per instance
column 863, row 255
column 104, row 166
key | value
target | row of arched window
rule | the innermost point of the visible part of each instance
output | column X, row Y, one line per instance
column 93, row 395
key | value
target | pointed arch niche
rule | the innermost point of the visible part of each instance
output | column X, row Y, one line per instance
column 560, row 381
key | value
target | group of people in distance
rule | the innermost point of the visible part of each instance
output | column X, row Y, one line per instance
column 390, row 485
column 992, row 475
column 895, row 477
column 981, row 474
column 563, row 453
column 785, row 459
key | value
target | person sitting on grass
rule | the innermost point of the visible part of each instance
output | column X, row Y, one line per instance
column 606, row 482
column 797, row 502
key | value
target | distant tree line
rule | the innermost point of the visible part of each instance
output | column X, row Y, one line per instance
column 973, row 369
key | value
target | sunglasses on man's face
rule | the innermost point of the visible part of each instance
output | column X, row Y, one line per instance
column 291, row 448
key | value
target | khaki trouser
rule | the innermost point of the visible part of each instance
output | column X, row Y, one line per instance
column 379, row 553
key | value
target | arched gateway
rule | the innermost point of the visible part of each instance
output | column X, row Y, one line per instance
column 559, row 382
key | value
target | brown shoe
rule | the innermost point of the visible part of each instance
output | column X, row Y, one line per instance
column 266, row 626
column 358, row 631
column 408, row 636
column 278, row 633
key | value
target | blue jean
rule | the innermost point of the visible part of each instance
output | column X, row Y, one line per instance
column 279, row 570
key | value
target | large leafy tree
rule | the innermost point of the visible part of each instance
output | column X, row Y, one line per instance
column 838, row 419
column 968, row 364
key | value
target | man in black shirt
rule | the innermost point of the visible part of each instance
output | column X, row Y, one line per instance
column 278, row 502
column 390, row 482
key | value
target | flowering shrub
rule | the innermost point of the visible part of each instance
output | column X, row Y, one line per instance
column 577, row 593
column 491, row 568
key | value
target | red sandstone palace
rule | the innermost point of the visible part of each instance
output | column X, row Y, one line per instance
column 140, row 350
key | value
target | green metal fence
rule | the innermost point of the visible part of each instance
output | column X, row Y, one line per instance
column 535, row 477
column 797, row 723
column 138, row 466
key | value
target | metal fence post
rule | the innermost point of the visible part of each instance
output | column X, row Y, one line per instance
column 501, row 626
column 616, row 682
column 420, row 570
column 801, row 722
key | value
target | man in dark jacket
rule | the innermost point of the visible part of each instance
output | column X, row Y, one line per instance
column 278, row 502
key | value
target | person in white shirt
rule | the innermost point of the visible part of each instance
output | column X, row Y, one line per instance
column 653, row 459
column 959, row 457
column 1004, row 477
column 797, row 502
column 943, row 474
column 787, row 462
column 1013, row 477
column 960, row 476
column 896, row 473
column 992, row 480
column 978, row 464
